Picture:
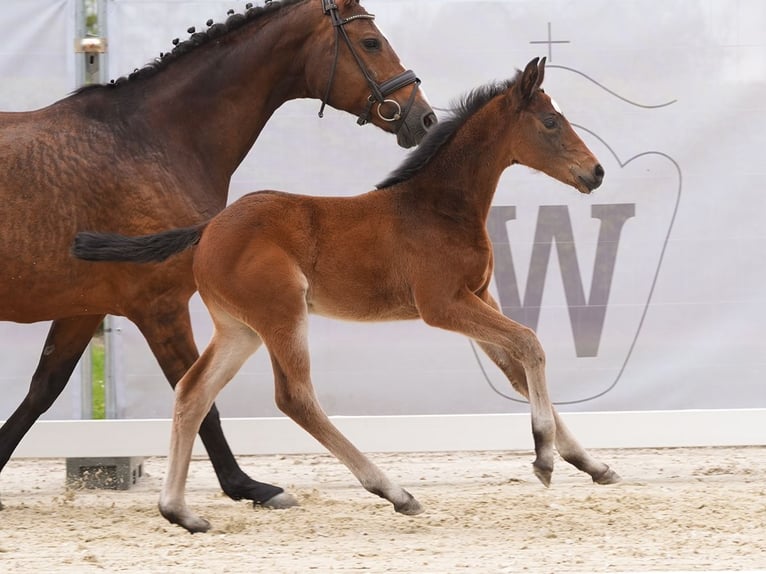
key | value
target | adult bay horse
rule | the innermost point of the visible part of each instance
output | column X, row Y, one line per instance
column 158, row 149
column 417, row 247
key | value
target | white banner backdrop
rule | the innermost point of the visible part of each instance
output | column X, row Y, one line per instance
column 36, row 68
column 647, row 295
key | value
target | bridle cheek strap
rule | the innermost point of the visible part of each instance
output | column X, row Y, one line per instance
column 378, row 92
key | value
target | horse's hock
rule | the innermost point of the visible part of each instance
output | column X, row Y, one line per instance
column 113, row 473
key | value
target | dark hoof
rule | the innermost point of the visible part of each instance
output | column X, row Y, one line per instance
column 607, row 477
column 245, row 488
column 279, row 502
column 410, row 507
column 543, row 474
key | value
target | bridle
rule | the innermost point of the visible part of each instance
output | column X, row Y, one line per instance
column 378, row 91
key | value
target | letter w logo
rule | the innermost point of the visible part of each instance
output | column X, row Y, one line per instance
column 554, row 223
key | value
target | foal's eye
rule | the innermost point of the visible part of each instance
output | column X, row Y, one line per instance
column 371, row 43
column 550, row 123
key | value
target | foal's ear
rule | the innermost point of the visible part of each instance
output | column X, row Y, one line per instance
column 531, row 79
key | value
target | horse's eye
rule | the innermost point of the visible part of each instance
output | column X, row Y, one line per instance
column 371, row 43
column 550, row 123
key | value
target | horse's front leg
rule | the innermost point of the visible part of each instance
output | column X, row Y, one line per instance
column 567, row 445
column 66, row 341
column 170, row 338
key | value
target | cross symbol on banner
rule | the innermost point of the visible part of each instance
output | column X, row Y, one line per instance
column 550, row 43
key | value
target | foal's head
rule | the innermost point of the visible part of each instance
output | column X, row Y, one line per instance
column 543, row 139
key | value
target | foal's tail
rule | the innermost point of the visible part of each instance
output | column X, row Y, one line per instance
column 143, row 249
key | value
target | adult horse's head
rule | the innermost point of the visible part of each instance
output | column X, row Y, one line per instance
column 544, row 139
column 381, row 92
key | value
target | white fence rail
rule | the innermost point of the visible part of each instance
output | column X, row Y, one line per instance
column 427, row 433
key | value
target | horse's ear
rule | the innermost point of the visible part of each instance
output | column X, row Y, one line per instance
column 531, row 78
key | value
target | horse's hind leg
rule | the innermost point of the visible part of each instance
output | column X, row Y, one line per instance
column 66, row 341
column 568, row 447
column 167, row 329
column 230, row 347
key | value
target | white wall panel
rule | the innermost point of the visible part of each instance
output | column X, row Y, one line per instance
column 668, row 93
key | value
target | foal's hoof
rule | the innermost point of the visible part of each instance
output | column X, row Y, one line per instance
column 193, row 524
column 607, row 477
column 409, row 507
column 187, row 520
column 279, row 501
column 543, row 474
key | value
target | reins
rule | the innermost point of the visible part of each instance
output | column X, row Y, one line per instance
column 379, row 91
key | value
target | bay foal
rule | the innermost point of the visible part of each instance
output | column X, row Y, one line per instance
column 417, row 247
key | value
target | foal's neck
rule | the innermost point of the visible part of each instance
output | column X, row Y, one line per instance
column 466, row 171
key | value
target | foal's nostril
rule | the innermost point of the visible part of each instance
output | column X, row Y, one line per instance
column 429, row 120
column 599, row 172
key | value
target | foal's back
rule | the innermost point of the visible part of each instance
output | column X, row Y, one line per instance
column 348, row 256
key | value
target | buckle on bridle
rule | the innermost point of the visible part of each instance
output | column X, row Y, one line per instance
column 385, row 89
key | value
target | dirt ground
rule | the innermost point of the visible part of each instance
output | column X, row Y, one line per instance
column 700, row 509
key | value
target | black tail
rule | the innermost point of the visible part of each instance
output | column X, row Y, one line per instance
column 144, row 249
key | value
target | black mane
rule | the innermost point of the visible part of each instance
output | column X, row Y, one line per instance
column 445, row 129
column 233, row 22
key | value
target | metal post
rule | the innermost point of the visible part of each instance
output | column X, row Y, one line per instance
column 111, row 367
column 90, row 67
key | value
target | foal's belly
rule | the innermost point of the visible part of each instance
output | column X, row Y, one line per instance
column 362, row 309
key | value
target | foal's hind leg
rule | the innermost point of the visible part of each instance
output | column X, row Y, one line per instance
column 230, row 347
column 285, row 336
column 66, row 341
column 167, row 329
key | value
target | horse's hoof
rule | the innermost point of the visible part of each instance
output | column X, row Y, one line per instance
column 607, row 477
column 279, row 501
column 410, row 507
column 543, row 474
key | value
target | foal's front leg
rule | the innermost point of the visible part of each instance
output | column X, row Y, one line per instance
column 468, row 314
column 567, row 445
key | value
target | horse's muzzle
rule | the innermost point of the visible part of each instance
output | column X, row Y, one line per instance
column 420, row 118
